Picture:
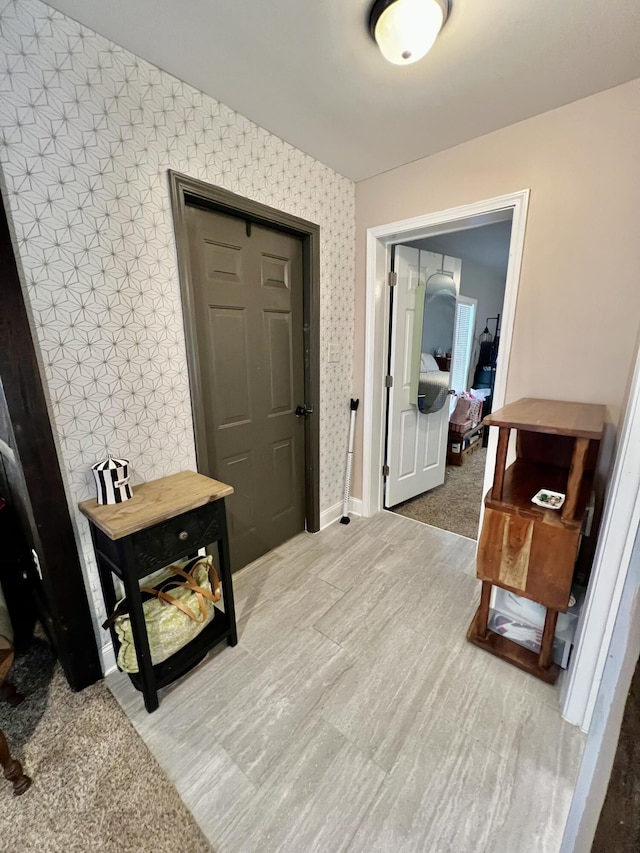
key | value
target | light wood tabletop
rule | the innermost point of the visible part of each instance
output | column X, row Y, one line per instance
column 153, row 502
column 582, row 420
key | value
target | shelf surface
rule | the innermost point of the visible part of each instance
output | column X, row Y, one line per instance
column 581, row 420
column 184, row 660
column 153, row 502
column 523, row 479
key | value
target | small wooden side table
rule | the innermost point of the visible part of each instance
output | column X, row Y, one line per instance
column 525, row 548
column 165, row 520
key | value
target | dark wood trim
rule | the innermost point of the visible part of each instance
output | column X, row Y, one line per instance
column 45, row 512
column 184, row 191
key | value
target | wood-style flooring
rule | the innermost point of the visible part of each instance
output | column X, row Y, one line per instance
column 354, row 715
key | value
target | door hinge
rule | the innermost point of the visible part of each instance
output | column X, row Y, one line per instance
column 385, row 470
column 393, row 279
column 388, row 381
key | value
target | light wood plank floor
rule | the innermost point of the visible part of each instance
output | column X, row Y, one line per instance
column 354, row 716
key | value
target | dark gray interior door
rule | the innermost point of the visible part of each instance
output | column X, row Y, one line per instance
column 248, row 295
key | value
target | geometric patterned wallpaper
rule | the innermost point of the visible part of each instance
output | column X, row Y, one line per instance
column 87, row 133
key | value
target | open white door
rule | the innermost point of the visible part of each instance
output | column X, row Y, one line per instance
column 416, row 443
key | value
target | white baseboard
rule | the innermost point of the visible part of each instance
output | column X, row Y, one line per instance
column 108, row 659
column 329, row 516
column 355, row 506
column 334, row 513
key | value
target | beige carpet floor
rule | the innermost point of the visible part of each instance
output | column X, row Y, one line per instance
column 96, row 787
column 455, row 505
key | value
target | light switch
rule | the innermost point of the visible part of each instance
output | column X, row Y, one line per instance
column 334, row 353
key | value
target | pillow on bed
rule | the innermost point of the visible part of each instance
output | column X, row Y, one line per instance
column 427, row 363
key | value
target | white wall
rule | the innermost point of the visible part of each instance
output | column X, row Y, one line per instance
column 87, row 133
column 487, row 287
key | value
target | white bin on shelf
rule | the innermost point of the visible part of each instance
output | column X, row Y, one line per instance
column 522, row 621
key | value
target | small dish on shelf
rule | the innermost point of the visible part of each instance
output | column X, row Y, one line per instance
column 548, row 499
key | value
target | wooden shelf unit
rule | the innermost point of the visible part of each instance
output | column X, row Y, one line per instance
column 524, row 548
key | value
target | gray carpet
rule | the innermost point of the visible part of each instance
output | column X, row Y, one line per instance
column 455, row 505
column 96, row 787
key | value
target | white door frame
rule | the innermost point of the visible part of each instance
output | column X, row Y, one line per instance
column 379, row 242
column 611, row 562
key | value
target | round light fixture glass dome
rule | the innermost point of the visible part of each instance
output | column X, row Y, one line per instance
column 406, row 30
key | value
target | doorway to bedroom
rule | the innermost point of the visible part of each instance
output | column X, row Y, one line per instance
column 445, row 323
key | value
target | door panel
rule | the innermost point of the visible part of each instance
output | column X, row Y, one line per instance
column 239, row 470
column 432, row 449
column 283, row 478
column 275, row 271
column 249, row 323
column 416, row 442
column 223, row 263
column 279, row 355
column 228, row 353
column 408, row 445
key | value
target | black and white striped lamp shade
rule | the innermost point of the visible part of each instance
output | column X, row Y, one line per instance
column 112, row 480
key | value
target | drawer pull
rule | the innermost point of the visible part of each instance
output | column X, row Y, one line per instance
column 183, row 535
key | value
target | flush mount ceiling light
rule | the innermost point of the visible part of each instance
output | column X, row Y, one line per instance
column 405, row 30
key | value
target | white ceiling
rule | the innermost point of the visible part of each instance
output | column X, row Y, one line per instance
column 310, row 73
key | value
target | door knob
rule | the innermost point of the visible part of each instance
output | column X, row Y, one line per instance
column 303, row 411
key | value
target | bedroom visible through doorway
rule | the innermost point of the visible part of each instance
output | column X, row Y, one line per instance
column 449, row 294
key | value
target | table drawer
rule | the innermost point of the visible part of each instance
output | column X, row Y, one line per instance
column 157, row 546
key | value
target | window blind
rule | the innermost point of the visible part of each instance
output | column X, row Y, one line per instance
column 462, row 342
